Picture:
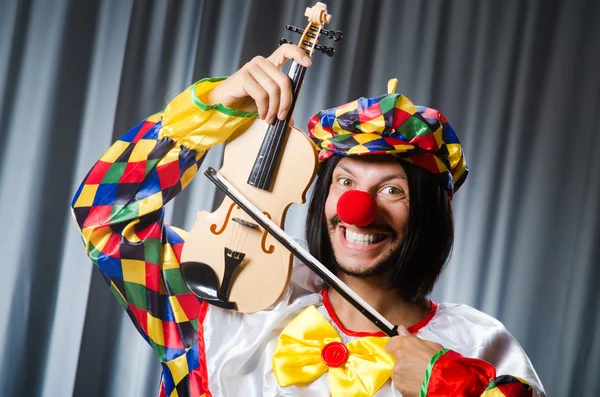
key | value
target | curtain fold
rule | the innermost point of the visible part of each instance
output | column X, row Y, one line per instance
column 518, row 81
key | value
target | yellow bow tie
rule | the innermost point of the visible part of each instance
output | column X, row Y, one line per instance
column 310, row 346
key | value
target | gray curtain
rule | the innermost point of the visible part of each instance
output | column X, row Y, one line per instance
column 519, row 81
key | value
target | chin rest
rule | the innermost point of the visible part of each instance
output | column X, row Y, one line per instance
column 202, row 280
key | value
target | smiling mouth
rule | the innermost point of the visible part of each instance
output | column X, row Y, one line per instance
column 362, row 238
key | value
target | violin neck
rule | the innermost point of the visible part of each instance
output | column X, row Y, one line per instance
column 266, row 162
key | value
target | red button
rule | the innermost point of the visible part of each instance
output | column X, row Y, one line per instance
column 334, row 354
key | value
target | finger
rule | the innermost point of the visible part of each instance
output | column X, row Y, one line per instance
column 257, row 93
column 393, row 344
column 286, row 52
column 269, row 85
column 402, row 331
column 284, row 83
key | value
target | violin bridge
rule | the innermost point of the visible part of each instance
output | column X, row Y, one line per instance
column 244, row 222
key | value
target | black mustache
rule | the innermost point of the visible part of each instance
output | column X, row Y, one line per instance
column 335, row 221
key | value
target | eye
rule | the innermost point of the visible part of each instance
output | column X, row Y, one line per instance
column 345, row 182
column 393, row 191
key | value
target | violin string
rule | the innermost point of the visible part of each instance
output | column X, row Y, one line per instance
column 239, row 234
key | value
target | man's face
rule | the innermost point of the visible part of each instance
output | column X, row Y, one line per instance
column 365, row 251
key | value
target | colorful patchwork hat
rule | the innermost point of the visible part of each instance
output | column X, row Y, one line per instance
column 392, row 124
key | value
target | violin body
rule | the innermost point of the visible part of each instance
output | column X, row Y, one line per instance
column 228, row 260
column 264, row 272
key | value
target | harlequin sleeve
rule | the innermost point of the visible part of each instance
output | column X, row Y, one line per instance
column 451, row 374
column 119, row 211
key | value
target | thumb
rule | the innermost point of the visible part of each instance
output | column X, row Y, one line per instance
column 402, row 331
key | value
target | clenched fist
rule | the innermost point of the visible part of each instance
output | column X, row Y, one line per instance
column 412, row 356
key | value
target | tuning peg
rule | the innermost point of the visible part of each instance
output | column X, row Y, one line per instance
column 294, row 29
column 325, row 50
column 336, row 35
column 283, row 41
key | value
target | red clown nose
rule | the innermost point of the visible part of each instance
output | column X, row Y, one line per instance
column 357, row 208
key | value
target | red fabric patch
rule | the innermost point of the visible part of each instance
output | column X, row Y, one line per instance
column 431, row 114
column 189, row 304
column 151, row 231
column 177, row 248
column 97, row 173
column 426, row 142
column 141, row 317
column 455, row 375
column 153, row 276
column 314, row 120
column 369, row 114
column 395, row 141
column 515, row 390
column 202, row 348
column 426, row 161
column 97, row 215
column 162, row 392
column 111, row 248
column 196, row 388
column 143, row 129
column 400, row 116
column 134, row 172
column 168, row 174
column 171, row 335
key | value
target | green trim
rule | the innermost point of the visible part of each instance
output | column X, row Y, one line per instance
column 428, row 371
column 218, row 106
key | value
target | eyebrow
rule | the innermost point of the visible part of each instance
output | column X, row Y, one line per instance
column 387, row 178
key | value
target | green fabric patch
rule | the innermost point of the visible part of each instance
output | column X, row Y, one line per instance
column 217, row 106
column 159, row 349
column 174, row 279
column 127, row 213
column 114, row 173
column 152, row 250
column 150, row 165
column 388, row 103
column 117, row 295
column 136, row 295
column 413, row 127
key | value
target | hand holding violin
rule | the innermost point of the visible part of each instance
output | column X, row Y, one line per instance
column 261, row 86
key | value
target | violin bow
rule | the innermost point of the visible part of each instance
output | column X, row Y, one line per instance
column 331, row 279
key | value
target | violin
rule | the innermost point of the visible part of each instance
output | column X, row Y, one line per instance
column 230, row 260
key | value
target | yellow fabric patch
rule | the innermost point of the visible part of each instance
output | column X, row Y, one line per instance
column 493, row 393
column 169, row 260
column 115, row 151
column 100, row 237
column 346, row 108
column 405, row 104
column 141, row 150
column 374, row 125
column 364, row 138
column 134, row 271
column 178, row 313
column 151, row 204
column 358, row 149
column 86, row 197
column 155, row 330
column 187, row 176
column 178, row 367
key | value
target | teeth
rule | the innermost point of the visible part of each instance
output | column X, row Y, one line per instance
column 363, row 239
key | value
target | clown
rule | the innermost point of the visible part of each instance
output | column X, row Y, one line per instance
column 380, row 218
